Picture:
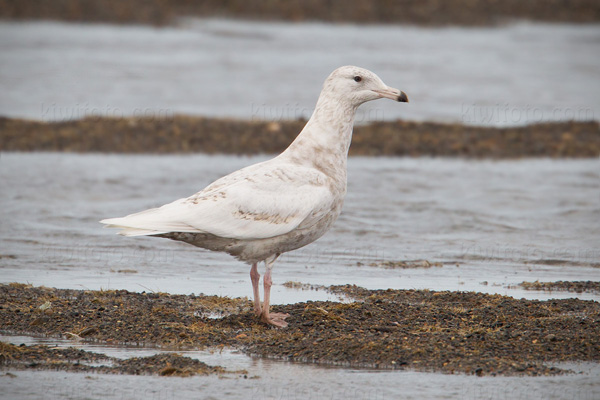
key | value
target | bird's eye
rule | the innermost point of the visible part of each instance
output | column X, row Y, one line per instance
column 357, row 78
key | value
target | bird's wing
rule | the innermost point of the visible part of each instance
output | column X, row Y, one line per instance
column 254, row 203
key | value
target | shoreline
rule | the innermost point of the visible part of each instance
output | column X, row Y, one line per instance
column 419, row 13
column 192, row 134
column 449, row 332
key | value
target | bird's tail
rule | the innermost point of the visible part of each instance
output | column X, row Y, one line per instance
column 126, row 230
column 155, row 221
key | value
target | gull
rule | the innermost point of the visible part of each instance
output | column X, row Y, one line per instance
column 264, row 210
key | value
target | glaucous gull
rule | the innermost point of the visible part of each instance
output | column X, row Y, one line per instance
column 261, row 211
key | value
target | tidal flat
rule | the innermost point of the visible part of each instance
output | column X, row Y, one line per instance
column 450, row 332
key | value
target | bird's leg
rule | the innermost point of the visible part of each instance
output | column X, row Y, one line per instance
column 255, row 277
column 276, row 319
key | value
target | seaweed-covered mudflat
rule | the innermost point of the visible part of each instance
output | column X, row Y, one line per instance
column 450, row 332
column 569, row 286
column 41, row 357
column 426, row 12
column 187, row 134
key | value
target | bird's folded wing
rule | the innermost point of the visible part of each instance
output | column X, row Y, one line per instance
column 261, row 204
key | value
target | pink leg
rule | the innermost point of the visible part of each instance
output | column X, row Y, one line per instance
column 276, row 319
column 255, row 277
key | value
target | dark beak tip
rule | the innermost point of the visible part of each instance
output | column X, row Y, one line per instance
column 403, row 98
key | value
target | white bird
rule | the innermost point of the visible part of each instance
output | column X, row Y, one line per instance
column 266, row 209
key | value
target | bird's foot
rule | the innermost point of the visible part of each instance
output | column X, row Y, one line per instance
column 275, row 319
column 258, row 310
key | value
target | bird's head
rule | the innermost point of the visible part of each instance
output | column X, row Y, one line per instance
column 358, row 85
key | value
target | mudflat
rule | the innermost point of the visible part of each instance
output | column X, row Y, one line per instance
column 450, row 332
column 187, row 134
column 425, row 12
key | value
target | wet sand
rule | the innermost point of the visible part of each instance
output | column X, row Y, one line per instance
column 428, row 12
column 186, row 134
column 450, row 332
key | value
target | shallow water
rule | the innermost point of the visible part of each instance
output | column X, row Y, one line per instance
column 508, row 75
column 270, row 379
column 492, row 223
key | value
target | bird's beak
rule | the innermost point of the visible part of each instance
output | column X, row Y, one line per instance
column 391, row 93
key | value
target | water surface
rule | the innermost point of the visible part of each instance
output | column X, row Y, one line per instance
column 510, row 75
column 269, row 379
column 493, row 224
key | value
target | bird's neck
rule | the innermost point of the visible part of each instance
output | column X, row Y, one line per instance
column 325, row 140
